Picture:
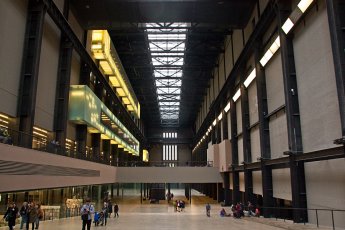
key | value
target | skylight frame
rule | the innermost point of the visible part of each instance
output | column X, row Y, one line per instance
column 167, row 43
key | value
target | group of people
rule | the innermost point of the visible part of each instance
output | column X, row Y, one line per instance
column 30, row 213
column 5, row 137
column 179, row 205
column 100, row 218
column 238, row 210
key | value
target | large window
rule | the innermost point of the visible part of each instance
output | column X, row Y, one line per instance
column 170, row 154
column 169, row 135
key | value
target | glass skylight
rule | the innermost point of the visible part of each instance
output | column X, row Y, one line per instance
column 167, row 43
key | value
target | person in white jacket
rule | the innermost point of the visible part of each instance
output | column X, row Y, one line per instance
column 86, row 212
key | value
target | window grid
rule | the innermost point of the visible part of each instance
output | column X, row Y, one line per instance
column 170, row 135
column 169, row 153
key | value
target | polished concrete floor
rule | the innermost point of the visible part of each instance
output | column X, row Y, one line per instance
column 134, row 215
column 163, row 217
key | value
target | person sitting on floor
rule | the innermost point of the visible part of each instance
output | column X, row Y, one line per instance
column 223, row 213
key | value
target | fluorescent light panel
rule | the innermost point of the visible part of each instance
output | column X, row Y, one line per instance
column 220, row 116
column 304, row 4
column 250, row 78
column 287, row 26
column 214, row 122
column 227, row 107
column 237, row 95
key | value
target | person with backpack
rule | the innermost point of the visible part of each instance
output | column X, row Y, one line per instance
column 86, row 211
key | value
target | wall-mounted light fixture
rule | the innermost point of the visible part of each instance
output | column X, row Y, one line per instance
column 220, row 116
column 271, row 51
column 237, row 95
column 250, row 78
column 301, row 8
column 227, row 107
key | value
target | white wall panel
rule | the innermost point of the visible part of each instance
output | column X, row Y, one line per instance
column 257, row 182
column 228, row 56
column 318, row 100
column 71, row 131
column 221, row 71
column 240, row 150
column 239, row 116
column 281, row 183
column 278, row 134
column 46, row 88
column 274, row 83
column 12, row 24
column 250, row 27
column 75, row 69
column 238, row 43
column 255, row 143
column 326, row 177
column 77, row 29
column 242, row 185
column 228, row 116
column 253, row 103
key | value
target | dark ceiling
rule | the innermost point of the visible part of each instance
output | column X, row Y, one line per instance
column 211, row 21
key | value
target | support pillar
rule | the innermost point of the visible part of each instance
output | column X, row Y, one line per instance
column 29, row 70
column 106, row 151
column 298, row 187
column 81, row 135
column 96, row 151
column 226, row 182
column 62, row 86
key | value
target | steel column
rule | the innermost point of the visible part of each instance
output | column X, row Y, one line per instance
column 96, row 151
column 81, row 135
column 336, row 21
column 298, row 188
column 226, row 182
column 29, row 70
column 62, row 86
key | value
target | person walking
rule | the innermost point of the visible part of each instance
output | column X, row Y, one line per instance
column 11, row 215
column 86, row 213
column 116, row 210
column 208, row 210
column 24, row 214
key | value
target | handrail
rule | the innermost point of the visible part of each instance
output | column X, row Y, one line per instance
column 50, row 146
column 306, row 210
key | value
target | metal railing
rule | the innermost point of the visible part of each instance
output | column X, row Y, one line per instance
column 39, row 143
column 285, row 213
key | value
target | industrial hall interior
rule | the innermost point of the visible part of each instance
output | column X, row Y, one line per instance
column 168, row 107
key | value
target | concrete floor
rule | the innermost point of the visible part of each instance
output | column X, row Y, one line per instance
column 162, row 216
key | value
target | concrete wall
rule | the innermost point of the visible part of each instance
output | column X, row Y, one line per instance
column 12, row 24
column 27, row 169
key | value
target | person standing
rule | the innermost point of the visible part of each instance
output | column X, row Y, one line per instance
column 110, row 208
column 11, row 215
column 86, row 213
column 39, row 215
column 32, row 214
column 24, row 214
column 208, row 210
column 116, row 210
